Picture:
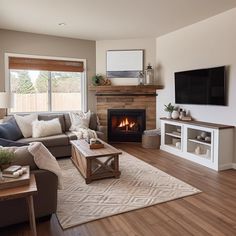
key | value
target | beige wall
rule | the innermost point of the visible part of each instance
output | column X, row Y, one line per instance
column 208, row 43
column 37, row 44
column 148, row 44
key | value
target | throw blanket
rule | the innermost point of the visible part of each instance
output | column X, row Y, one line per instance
column 45, row 160
column 84, row 133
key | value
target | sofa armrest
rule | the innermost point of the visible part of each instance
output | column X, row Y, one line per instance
column 102, row 128
column 102, row 132
column 46, row 198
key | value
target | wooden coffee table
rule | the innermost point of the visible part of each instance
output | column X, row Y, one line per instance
column 95, row 164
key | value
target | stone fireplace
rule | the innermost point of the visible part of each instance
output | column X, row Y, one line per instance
column 126, row 125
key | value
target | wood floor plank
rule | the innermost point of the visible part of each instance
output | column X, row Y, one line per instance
column 212, row 212
column 184, row 221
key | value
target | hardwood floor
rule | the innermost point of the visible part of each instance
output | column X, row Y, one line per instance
column 212, row 212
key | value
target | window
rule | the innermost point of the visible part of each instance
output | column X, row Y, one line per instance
column 52, row 87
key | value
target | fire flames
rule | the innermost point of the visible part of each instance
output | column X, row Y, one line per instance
column 126, row 123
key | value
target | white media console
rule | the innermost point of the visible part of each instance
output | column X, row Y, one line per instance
column 187, row 139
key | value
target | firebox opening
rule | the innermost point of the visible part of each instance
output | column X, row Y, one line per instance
column 126, row 124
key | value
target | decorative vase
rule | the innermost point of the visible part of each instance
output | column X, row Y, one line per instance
column 149, row 75
column 141, row 78
column 203, row 135
column 168, row 115
column 175, row 115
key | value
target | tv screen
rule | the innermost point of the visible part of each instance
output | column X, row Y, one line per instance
column 203, row 86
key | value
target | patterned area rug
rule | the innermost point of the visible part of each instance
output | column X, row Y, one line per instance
column 140, row 185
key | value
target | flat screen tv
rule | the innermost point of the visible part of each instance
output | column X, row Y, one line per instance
column 202, row 86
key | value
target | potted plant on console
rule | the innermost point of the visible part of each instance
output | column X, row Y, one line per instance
column 172, row 111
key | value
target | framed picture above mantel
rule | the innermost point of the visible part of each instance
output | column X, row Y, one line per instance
column 124, row 63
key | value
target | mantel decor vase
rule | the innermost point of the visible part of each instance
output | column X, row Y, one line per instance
column 141, row 78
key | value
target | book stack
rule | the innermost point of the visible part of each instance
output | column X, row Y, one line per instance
column 14, row 171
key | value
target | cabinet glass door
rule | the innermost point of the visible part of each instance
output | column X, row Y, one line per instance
column 173, row 136
column 199, row 143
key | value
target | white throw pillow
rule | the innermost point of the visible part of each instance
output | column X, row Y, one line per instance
column 25, row 123
column 43, row 128
column 79, row 120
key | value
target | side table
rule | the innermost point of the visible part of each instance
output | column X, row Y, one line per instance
column 27, row 192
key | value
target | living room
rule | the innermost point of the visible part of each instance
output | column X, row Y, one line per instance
column 195, row 35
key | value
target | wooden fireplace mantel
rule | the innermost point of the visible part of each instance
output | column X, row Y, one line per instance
column 126, row 88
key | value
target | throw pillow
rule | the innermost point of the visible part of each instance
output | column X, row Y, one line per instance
column 42, row 128
column 25, row 123
column 22, row 156
column 53, row 116
column 79, row 120
column 10, row 130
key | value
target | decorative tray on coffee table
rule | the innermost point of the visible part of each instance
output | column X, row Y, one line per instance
column 96, row 145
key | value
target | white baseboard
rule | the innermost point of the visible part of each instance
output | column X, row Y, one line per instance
column 228, row 166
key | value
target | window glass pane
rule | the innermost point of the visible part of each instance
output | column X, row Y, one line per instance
column 30, row 90
column 66, row 91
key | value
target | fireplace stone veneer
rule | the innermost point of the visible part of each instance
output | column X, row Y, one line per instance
column 126, row 125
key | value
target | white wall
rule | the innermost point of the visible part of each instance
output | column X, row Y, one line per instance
column 209, row 43
column 148, row 44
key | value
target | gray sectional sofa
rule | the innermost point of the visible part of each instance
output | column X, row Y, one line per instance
column 59, row 145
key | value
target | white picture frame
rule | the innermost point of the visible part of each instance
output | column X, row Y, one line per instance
column 124, row 63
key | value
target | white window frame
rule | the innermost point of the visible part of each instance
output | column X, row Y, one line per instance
column 84, row 83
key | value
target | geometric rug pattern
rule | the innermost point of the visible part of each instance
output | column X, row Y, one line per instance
column 140, row 185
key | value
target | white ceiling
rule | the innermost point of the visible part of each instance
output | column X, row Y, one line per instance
column 107, row 19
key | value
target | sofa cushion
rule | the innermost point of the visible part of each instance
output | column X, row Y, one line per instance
column 10, row 143
column 25, row 123
column 50, row 141
column 43, row 128
column 10, row 130
column 61, row 118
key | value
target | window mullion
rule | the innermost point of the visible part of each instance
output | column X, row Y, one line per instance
column 49, row 91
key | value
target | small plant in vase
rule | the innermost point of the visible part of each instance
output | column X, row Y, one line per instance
column 6, row 157
column 169, row 108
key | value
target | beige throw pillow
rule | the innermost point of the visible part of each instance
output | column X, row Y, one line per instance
column 79, row 120
column 25, row 123
column 42, row 128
